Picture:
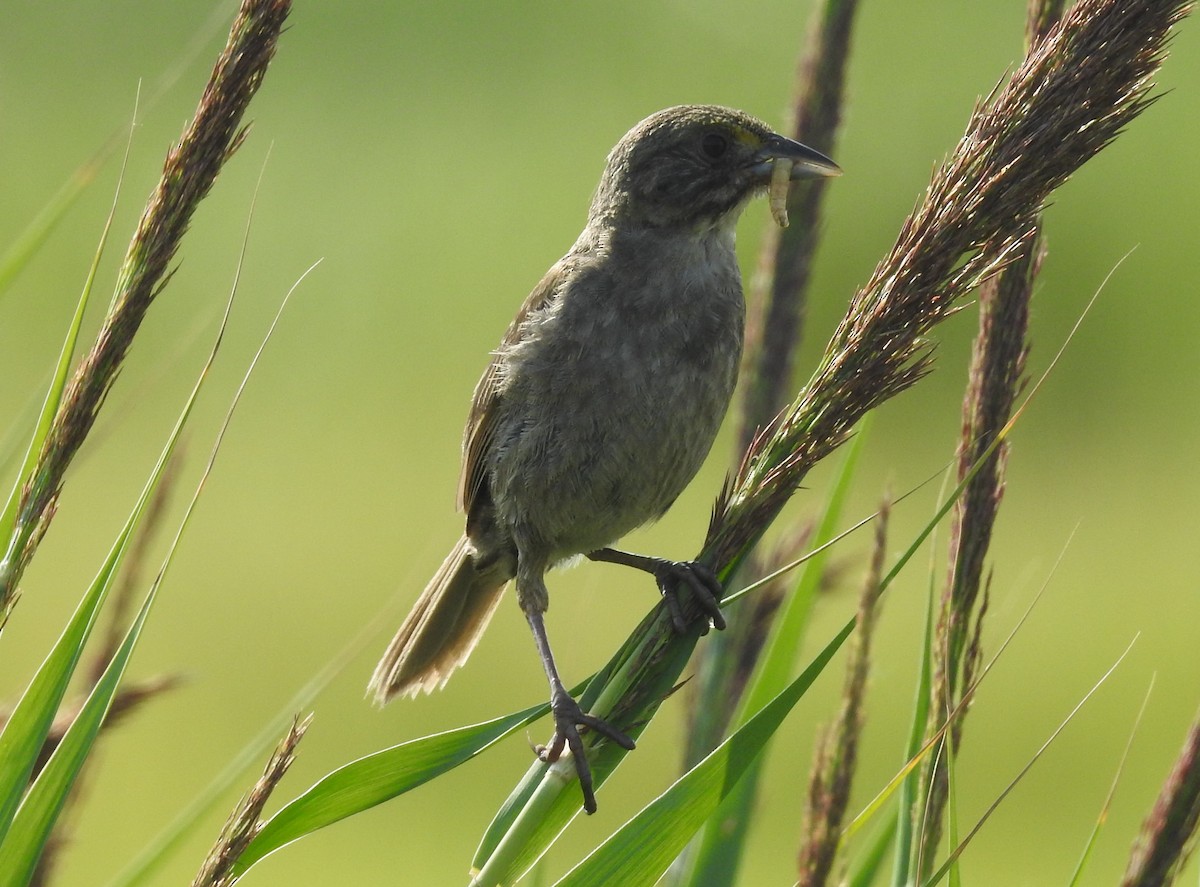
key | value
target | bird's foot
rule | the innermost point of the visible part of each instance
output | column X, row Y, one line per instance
column 568, row 718
column 673, row 577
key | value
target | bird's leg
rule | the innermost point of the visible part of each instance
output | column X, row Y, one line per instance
column 671, row 576
column 568, row 716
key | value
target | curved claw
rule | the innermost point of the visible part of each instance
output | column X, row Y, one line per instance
column 703, row 584
column 568, row 717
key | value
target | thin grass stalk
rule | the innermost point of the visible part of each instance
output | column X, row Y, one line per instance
column 1106, row 807
column 837, row 754
column 192, row 165
column 121, row 604
column 21, row 251
column 950, row 865
column 996, row 378
column 715, row 855
column 246, row 819
column 1169, row 834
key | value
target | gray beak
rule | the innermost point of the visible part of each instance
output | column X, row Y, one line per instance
column 806, row 162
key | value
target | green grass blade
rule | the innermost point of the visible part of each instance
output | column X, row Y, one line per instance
column 25, row 733
column 538, row 809
column 518, row 800
column 777, row 661
column 29, row 241
column 1112, row 790
column 17, row 256
column 54, row 394
column 140, row 870
column 642, row 849
column 931, row 742
column 905, row 812
column 35, row 819
column 870, row 861
column 952, row 859
column 26, row 730
column 716, row 857
column 371, row 780
column 903, row 871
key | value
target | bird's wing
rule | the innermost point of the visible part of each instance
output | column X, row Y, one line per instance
column 481, row 423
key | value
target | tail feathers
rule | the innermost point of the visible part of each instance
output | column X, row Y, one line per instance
column 442, row 629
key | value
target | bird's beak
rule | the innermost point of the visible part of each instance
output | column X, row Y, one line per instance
column 806, row 163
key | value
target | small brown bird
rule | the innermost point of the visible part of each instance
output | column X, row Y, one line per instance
column 604, row 397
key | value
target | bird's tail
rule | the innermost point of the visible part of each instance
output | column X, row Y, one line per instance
column 442, row 629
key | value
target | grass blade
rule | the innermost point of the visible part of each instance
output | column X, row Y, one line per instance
column 957, row 851
column 163, row 846
column 908, row 788
column 378, row 777
column 1112, row 790
column 642, row 849
column 785, row 640
column 58, row 383
column 27, row 728
column 38, row 812
column 29, row 241
column 933, row 740
column 720, row 845
column 870, row 861
column 189, row 172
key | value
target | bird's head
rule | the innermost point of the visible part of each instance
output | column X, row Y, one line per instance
column 695, row 166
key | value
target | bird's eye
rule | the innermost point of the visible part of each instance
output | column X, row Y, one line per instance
column 714, row 145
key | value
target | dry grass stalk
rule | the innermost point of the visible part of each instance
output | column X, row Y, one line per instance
column 837, row 748
column 131, row 570
column 246, row 819
column 1072, row 95
column 995, row 381
column 124, row 703
column 1169, row 833
column 192, row 165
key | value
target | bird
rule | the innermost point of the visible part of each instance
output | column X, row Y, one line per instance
column 603, row 399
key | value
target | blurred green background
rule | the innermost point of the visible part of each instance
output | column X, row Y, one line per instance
column 439, row 159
